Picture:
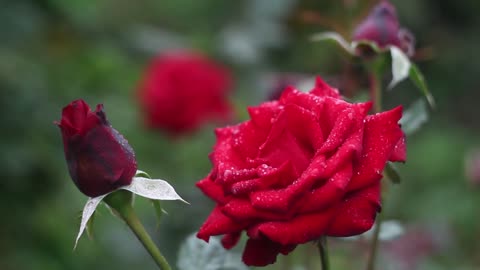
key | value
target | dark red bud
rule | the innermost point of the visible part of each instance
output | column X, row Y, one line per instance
column 382, row 27
column 99, row 158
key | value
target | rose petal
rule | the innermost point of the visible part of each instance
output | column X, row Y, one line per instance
column 231, row 239
column 263, row 115
column 304, row 126
column 76, row 114
column 300, row 229
column 357, row 213
column 285, row 250
column 332, row 108
column 343, row 155
column 217, row 223
column 228, row 175
column 305, row 100
column 261, row 252
column 348, row 122
column 340, row 131
column 329, row 193
column 382, row 133
column 212, row 190
column 247, row 138
column 281, row 145
column 269, row 177
column 229, row 165
column 222, row 151
column 242, row 210
column 280, row 200
column 399, row 153
column 323, row 89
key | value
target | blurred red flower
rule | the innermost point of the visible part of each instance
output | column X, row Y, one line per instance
column 99, row 158
column 381, row 26
column 305, row 166
column 182, row 90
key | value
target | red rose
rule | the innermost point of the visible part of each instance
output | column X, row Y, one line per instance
column 305, row 166
column 99, row 159
column 181, row 91
column 382, row 27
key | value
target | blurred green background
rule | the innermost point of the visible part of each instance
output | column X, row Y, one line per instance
column 54, row 51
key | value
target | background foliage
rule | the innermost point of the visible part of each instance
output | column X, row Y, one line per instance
column 54, row 51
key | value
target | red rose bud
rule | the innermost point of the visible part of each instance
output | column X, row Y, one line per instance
column 99, row 158
column 382, row 27
column 305, row 166
column 180, row 91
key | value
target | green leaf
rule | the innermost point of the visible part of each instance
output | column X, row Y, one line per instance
column 142, row 174
column 392, row 173
column 414, row 117
column 87, row 213
column 401, row 66
column 417, row 77
column 372, row 45
column 335, row 37
column 89, row 228
column 196, row 254
column 155, row 189
column 159, row 211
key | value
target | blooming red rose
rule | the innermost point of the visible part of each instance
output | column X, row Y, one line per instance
column 305, row 166
column 180, row 91
column 382, row 27
column 99, row 159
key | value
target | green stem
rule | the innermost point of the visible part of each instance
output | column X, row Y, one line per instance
column 322, row 250
column 372, row 255
column 376, row 94
column 375, row 69
column 120, row 201
column 376, row 91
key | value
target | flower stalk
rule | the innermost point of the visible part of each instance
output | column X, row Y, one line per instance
column 376, row 91
column 375, row 77
column 121, row 202
column 372, row 255
column 375, row 69
column 323, row 251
